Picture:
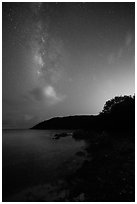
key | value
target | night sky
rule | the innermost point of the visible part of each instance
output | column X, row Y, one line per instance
column 64, row 58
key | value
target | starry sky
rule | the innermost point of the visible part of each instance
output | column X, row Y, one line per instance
column 63, row 59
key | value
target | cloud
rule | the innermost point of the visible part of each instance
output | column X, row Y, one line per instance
column 50, row 92
column 52, row 95
column 47, row 94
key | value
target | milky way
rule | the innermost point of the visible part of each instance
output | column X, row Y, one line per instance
column 46, row 55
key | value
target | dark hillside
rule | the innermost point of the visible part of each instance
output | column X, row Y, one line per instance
column 118, row 113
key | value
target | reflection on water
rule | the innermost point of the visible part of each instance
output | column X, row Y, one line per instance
column 32, row 157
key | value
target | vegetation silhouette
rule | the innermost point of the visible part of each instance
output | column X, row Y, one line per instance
column 118, row 113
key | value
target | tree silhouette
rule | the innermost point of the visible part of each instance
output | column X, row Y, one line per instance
column 117, row 103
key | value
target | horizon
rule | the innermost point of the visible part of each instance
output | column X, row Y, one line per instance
column 64, row 58
column 53, row 118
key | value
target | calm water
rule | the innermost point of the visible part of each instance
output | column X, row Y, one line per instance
column 32, row 157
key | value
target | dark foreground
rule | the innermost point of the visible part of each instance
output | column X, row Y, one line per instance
column 108, row 171
column 107, row 174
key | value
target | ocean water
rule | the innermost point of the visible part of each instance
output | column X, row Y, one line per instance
column 32, row 157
